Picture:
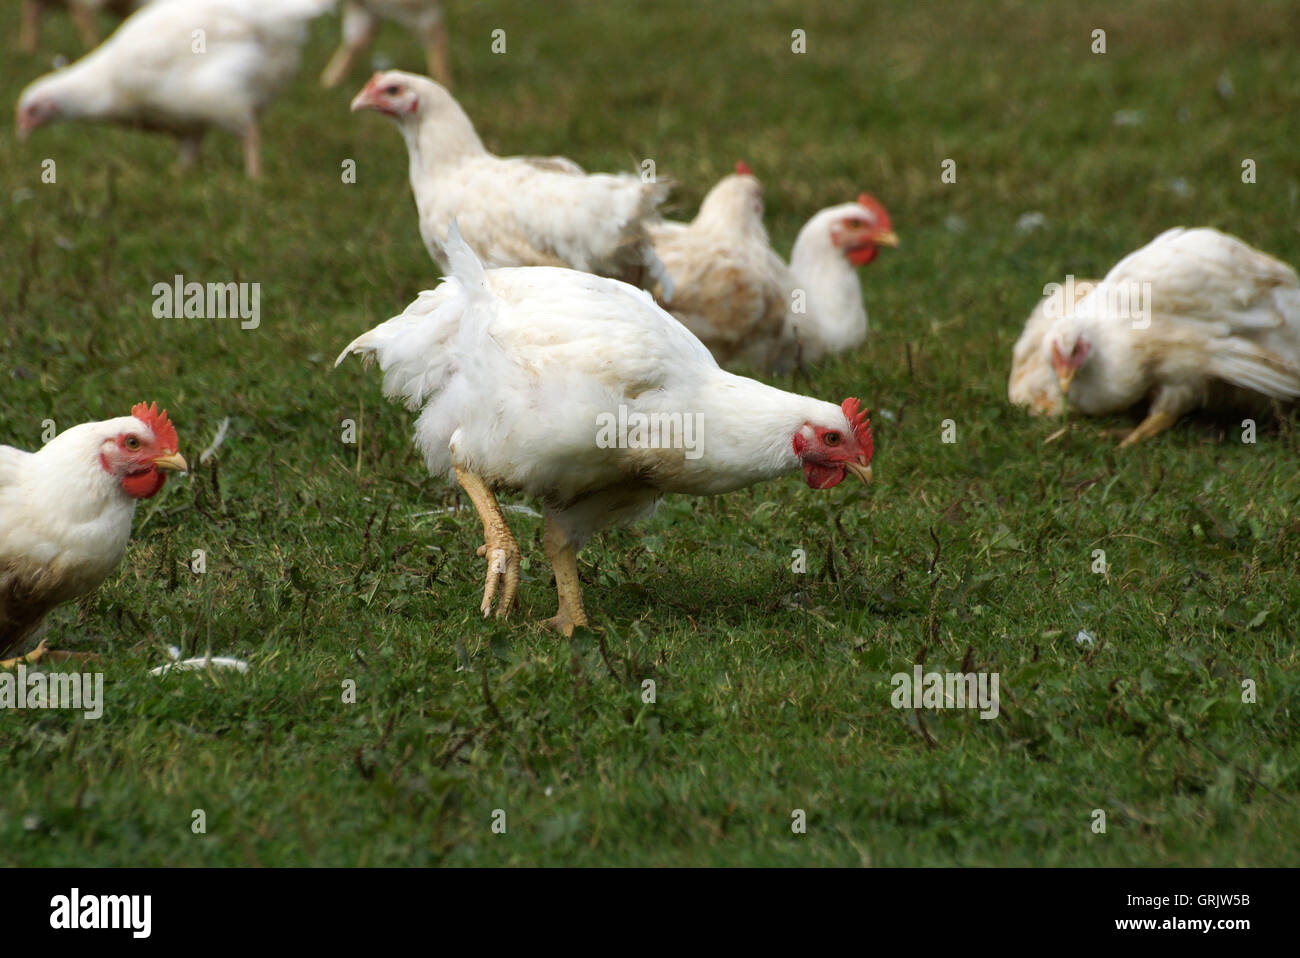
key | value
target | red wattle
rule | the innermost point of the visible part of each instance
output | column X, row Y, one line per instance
column 143, row 485
column 822, row 477
column 862, row 255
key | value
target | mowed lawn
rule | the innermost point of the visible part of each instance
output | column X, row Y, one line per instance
column 330, row 563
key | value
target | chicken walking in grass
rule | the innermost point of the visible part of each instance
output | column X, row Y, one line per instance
column 580, row 391
column 181, row 67
column 361, row 19
column 1196, row 318
column 66, row 513
column 520, row 210
column 739, row 297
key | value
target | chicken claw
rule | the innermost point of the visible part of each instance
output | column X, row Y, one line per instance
column 31, row 658
column 499, row 547
column 1154, row 424
column 564, row 561
column 503, row 574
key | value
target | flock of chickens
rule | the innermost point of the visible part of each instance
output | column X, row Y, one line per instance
column 567, row 299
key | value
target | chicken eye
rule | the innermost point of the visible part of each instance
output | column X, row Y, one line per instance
column 132, row 443
column 831, row 439
column 393, row 90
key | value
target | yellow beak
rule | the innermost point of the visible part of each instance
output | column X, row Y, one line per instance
column 173, row 461
column 859, row 469
column 889, row 238
column 1064, row 377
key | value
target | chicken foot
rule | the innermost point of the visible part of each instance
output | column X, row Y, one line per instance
column 564, row 563
column 1166, row 409
column 1154, row 424
column 31, row 658
column 499, row 546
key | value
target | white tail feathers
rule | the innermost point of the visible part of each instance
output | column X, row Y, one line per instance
column 466, row 267
column 1247, row 365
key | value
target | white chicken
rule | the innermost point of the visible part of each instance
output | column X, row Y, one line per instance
column 740, row 298
column 1194, row 318
column 361, row 19
column 514, row 211
column 181, row 66
column 580, row 391
column 66, row 512
column 83, row 18
column 1033, row 383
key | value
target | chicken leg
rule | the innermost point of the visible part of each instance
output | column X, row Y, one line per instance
column 30, row 30
column 31, row 658
column 499, row 546
column 83, row 18
column 359, row 26
column 189, row 154
column 1167, row 408
column 1155, row 423
column 435, row 50
column 564, row 562
column 339, row 66
column 252, row 141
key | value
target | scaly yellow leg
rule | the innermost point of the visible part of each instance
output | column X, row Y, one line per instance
column 252, row 141
column 30, row 29
column 564, row 562
column 339, row 66
column 1155, row 423
column 84, row 19
column 436, row 51
column 31, row 658
column 499, row 546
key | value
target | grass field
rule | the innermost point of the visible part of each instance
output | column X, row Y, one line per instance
column 329, row 562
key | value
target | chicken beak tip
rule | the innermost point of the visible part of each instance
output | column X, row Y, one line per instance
column 861, row 470
column 173, row 462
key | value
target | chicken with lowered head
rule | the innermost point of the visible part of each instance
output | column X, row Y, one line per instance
column 739, row 297
column 1195, row 318
column 581, row 392
column 66, row 513
column 181, row 67
column 514, row 211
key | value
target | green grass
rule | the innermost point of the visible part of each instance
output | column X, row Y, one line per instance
column 325, row 562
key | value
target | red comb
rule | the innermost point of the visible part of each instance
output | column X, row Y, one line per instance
column 164, row 432
column 857, row 417
column 870, row 202
column 742, row 168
